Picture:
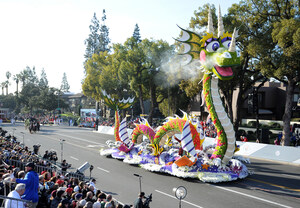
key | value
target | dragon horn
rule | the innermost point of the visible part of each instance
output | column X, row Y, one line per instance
column 232, row 43
column 220, row 23
column 210, row 27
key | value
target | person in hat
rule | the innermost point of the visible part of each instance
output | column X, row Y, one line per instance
column 31, row 181
column 138, row 203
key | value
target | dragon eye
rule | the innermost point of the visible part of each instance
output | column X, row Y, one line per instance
column 226, row 43
column 212, row 46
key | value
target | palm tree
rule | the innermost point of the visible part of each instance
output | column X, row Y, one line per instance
column 8, row 75
column 3, row 86
column 23, row 76
column 17, row 78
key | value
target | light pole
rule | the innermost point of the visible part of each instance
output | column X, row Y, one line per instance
column 180, row 193
column 61, row 149
column 139, row 180
column 13, row 132
column 23, row 139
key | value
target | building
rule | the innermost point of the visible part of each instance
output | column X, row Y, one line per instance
column 78, row 101
column 271, row 102
column 4, row 113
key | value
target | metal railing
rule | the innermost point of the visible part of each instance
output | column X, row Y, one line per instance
column 14, row 203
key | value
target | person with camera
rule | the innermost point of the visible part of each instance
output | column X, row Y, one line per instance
column 139, row 203
column 31, row 181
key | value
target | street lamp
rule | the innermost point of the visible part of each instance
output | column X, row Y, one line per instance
column 23, row 139
column 139, row 180
column 61, row 148
column 180, row 193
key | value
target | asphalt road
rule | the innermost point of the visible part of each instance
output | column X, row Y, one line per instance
column 271, row 185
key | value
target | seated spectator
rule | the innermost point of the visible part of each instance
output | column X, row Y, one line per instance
column 81, row 203
column 57, row 199
column 77, row 199
column 276, row 141
column 88, row 205
column 64, row 204
column 89, row 197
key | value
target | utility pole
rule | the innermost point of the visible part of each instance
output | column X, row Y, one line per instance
column 256, row 111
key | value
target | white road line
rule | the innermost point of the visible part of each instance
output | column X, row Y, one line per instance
column 103, row 169
column 250, row 196
column 84, row 140
column 176, row 198
column 74, row 158
column 291, row 176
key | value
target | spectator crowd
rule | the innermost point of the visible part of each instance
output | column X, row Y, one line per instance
column 42, row 184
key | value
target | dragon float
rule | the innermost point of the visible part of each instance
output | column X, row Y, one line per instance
column 176, row 147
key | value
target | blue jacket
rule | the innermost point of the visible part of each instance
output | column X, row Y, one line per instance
column 32, row 186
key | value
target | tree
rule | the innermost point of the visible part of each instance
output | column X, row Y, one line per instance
column 8, row 101
column 3, row 86
column 275, row 33
column 93, row 41
column 104, row 32
column 8, row 75
column 43, row 83
column 29, row 75
column 136, row 34
column 17, row 78
column 64, row 87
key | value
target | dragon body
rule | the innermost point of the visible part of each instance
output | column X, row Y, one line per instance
column 217, row 55
column 176, row 126
column 140, row 130
column 117, row 126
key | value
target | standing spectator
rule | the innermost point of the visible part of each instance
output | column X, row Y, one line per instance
column 64, row 166
column 93, row 183
column 32, row 184
column 108, row 203
column 17, row 193
column 46, row 155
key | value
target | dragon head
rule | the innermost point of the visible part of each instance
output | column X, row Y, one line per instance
column 217, row 53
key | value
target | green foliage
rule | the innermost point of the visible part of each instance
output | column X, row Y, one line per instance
column 43, row 83
column 98, row 40
column 8, row 101
column 136, row 34
column 64, row 87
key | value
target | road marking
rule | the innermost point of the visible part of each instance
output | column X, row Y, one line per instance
column 271, row 184
column 84, row 140
column 103, row 169
column 291, row 176
column 91, row 146
column 176, row 198
column 250, row 196
column 74, row 158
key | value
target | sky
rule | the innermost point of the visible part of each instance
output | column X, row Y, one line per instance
column 50, row 34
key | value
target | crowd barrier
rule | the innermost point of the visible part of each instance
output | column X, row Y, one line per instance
column 13, row 203
column 277, row 153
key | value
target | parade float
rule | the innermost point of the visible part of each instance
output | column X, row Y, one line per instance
column 176, row 147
